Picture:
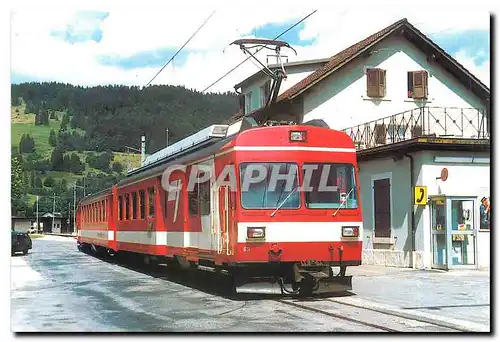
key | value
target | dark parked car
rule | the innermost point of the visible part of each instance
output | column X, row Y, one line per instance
column 21, row 242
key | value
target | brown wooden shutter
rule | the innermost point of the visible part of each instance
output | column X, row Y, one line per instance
column 382, row 207
column 420, row 84
column 375, row 82
column 372, row 80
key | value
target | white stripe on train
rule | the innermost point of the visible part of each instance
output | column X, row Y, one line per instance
column 275, row 232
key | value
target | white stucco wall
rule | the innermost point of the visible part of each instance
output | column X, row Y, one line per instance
column 294, row 74
column 341, row 99
column 463, row 180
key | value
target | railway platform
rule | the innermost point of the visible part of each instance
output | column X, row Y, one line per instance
column 458, row 295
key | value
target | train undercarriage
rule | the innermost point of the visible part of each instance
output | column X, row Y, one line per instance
column 278, row 278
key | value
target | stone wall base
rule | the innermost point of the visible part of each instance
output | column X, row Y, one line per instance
column 384, row 257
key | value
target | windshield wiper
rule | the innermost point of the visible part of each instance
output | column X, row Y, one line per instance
column 284, row 201
column 343, row 201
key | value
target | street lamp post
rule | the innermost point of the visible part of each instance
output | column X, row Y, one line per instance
column 74, row 203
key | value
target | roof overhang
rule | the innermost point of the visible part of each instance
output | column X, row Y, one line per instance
column 424, row 144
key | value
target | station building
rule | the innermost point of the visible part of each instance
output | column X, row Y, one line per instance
column 420, row 123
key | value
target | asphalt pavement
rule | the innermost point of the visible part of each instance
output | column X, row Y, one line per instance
column 56, row 288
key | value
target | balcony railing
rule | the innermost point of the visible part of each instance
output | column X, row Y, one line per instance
column 470, row 123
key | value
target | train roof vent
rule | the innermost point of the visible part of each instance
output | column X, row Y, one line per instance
column 213, row 132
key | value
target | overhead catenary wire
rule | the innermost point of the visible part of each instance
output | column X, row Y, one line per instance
column 171, row 59
column 246, row 59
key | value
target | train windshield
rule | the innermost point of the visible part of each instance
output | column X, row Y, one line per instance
column 269, row 185
column 329, row 186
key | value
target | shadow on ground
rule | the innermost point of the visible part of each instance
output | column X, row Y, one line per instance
column 214, row 284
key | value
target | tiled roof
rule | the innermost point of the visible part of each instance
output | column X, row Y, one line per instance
column 353, row 51
column 337, row 60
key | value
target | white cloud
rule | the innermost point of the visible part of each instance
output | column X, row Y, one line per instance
column 481, row 71
column 128, row 31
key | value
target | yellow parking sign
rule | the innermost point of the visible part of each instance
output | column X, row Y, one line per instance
column 420, row 195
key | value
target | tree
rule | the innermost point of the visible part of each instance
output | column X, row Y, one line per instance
column 16, row 178
column 57, row 159
column 65, row 122
column 26, row 144
column 49, row 182
column 117, row 167
column 38, row 183
column 76, row 166
column 52, row 138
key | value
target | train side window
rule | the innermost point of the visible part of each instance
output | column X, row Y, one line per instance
column 92, row 212
column 204, row 198
column 142, row 207
column 120, row 208
column 193, row 200
column 103, row 211
column 151, row 209
column 134, row 205
column 127, row 206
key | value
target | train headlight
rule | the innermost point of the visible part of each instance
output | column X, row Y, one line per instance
column 350, row 231
column 298, row 136
column 256, row 232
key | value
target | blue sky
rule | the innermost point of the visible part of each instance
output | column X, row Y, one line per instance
column 474, row 42
column 160, row 56
column 85, row 26
column 152, row 58
column 127, row 47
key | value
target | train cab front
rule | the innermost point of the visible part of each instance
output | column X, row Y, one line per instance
column 299, row 221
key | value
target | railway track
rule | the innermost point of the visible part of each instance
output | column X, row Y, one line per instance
column 379, row 320
column 368, row 317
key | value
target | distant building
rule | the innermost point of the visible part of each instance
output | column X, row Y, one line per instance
column 59, row 225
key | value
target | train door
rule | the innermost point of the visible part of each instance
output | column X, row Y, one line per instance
column 193, row 227
column 150, row 214
column 225, row 229
column 201, row 224
column 175, row 211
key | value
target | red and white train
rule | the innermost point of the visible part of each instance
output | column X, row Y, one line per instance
column 273, row 238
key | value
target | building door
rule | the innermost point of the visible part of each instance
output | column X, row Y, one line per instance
column 438, row 234
column 382, row 206
column 453, row 233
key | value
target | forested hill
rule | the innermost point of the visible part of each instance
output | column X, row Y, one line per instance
column 65, row 135
column 115, row 116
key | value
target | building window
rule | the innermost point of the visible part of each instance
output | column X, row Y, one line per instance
column 120, row 208
column 134, row 205
column 142, row 207
column 375, row 82
column 417, row 84
column 382, row 207
column 264, row 93
column 151, row 203
column 248, row 103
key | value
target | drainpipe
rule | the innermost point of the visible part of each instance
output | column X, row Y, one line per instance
column 412, row 212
